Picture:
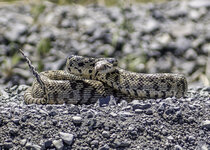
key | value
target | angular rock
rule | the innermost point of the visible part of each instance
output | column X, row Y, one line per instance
column 67, row 137
column 58, row 144
column 206, row 124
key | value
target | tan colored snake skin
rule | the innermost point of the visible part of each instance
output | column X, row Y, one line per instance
column 136, row 85
column 88, row 79
column 63, row 87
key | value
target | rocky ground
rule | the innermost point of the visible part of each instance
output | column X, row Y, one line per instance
column 151, row 124
column 166, row 37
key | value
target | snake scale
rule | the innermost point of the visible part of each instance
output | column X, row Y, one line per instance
column 85, row 80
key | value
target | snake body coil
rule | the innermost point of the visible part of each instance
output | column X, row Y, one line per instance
column 88, row 79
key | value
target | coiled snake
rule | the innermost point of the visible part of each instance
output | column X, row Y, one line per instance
column 85, row 80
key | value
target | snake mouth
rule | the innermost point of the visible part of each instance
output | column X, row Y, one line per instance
column 104, row 66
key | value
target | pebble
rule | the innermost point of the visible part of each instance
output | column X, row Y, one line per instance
column 105, row 147
column 77, row 119
column 58, row 144
column 170, row 137
column 113, row 114
column 182, row 44
column 151, row 26
column 106, row 134
column 16, row 31
column 32, row 146
column 149, row 112
column 191, row 54
column 138, row 111
column 206, row 124
column 94, row 143
column 178, row 147
column 48, row 144
column 199, row 4
column 22, row 88
column 23, row 142
column 125, row 114
column 67, row 137
column 137, row 105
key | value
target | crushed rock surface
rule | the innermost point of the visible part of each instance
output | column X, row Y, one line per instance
column 150, row 124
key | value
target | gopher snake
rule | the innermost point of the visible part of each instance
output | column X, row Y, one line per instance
column 87, row 79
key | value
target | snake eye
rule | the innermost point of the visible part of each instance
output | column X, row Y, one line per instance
column 113, row 61
column 71, row 56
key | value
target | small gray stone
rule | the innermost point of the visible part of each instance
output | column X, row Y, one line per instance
column 206, row 48
column 188, row 66
column 105, row 147
column 106, row 134
column 202, row 146
column 138, row 111
column 58, row 144
column 177, row 147
column 32, row 146
column 125, row 143
column 149, row 112
column 127, row 49
column 191, row 54
column 195, row 14
column 113, row 114
column 22, row 88
column 13, row 131
column 53, row 113
column 182, row 44
column 121, row 143
column 33, row 38
column 206, row 89
column 106, row 49
column 126, row 108
column 4, row 94
column 23, row 142
column 67, row 137
column 12, row 89
column 191, row 139
column 206, row 124
column 199, row 3
column 164, row 39
column 94, row 143
column 137, row 105
column 16, row 121
column 125, row 114
column 180, row 31
column 77, row 119
column 16, row 31
column 48, row 143
column 123, row 103
column 151, row 26
column 170, row 137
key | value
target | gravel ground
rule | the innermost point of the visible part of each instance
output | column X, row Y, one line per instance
column 166, row 37
column 151, row 124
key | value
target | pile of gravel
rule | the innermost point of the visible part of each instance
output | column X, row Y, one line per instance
column 150, row 124
column 166, row 37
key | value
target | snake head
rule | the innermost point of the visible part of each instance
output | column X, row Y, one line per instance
column 88, row 67
column 106, row 65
